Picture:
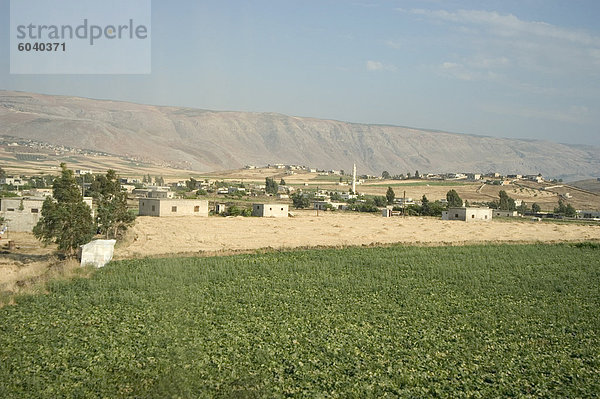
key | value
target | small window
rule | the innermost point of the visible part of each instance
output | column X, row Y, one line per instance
column 10, row 209
column 34, row 210
column 270, row 209
column 173, row 209
column 197, row 208
column 472, row 216
column 153, row 208
column 282, row 209
column 486, row 216
column 456, row 215
column 142, row 203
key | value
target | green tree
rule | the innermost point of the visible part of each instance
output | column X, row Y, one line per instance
column 454, row 200
column 570, row 211
column 300, row 201
column 522, row 208
column 65, row 219
column 561, row 208
column 271, row 186
column 425, row 206
column 385, row 174
column 113, row 217
column 191, row 184
column 2, row 173
column 282, row 182
column 390, row 195
column 535, row 208
column 506, row 203
column 380, row 201
column 417, row 175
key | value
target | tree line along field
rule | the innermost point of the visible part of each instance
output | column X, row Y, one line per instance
column 472, row 321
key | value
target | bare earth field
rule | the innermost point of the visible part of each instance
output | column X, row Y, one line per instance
column 162, row 236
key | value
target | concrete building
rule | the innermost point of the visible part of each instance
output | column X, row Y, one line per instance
column 21, row 214
column 504, row 214
column 588, row 214
column 270, row 210
column 467, row 214
column 14, row 181
column 164, row 207
column 325, row 205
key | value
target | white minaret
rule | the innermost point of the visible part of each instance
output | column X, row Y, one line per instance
column 354, row 180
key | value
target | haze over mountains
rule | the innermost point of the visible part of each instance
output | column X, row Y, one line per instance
column 205, row 140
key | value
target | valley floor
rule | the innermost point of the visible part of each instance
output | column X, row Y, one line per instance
column 214, row 235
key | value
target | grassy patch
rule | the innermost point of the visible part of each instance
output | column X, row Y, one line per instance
column 483, row 321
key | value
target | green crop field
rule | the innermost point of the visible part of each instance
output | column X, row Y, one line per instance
column 473, row 321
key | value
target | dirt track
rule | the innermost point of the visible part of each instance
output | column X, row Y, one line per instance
column 160, row 236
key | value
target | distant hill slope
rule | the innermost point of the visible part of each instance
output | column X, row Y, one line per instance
column 592, row 185
column 210, row 140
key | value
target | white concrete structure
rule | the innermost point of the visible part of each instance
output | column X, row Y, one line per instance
column 467, row 214
column 324, row 205
column 270, row 210
column 97, row 253
column 163, row 207
column 21, row 214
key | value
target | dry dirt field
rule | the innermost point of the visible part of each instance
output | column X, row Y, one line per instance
column 162, row 236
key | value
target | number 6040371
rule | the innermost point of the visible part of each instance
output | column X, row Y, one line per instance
column 42, row 47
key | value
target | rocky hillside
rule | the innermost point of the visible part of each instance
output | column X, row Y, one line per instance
column 208, row 140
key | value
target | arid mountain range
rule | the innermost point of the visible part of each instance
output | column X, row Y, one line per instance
column 206, row 140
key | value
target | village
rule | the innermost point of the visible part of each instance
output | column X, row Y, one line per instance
column 289, row 188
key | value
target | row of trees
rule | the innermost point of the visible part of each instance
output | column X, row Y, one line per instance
column 386, row 175
column 67, row 220
column 158, row 180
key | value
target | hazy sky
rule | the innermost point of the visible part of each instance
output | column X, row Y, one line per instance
column 526, row 68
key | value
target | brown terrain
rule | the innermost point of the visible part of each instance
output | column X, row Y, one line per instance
column 165, row 236
column 205, row 140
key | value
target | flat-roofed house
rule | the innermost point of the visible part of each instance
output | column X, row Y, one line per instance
column 21, row 214
column 164, row 207
column 467, row 214
column 270, row 210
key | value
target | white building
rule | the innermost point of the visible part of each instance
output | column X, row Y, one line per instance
column 10, row 180
column 163, row 207
column 467, row 214
column 324, row 205
column 21, row 214
column 270, row 210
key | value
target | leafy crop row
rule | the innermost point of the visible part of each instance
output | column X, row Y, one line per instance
column 478, row 321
